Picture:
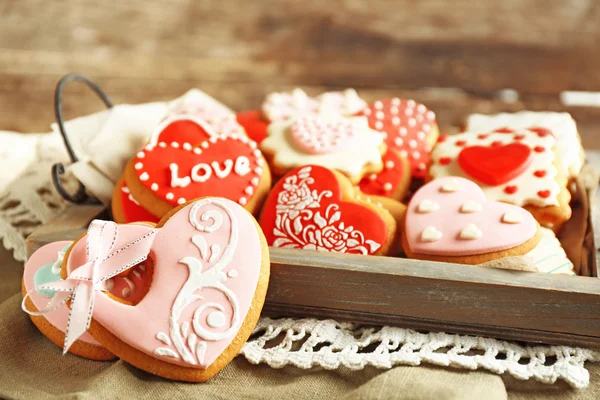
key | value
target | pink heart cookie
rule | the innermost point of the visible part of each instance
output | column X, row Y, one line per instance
column 211, row 268
column 451, row 218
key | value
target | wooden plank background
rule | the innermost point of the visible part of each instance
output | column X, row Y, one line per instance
column 238, row 51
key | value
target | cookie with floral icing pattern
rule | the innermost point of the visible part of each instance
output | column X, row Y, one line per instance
column 347, row 145
column 186, row 159
column 407, row 127
column 517, row 167
column 314, row 208
column 208, row 285
column 450, row 219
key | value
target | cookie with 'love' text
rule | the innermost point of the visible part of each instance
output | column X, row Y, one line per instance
column 315, row 208
column 450, row 219
column 185, row 159
column 517, row 167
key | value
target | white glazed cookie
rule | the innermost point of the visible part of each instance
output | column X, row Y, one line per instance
column 562, row 125
column 283, row 105
column 534, row 183
column 549, row 256
column 344, row 144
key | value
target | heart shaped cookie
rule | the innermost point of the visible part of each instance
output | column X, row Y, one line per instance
column 210, row 276
column 315, row 208
column 125, row 208
column 496, row 164
column 186, row 160
column 393, row 181
column 408, row 127
column 450, row 219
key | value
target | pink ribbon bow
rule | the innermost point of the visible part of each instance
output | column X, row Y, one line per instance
column 81, row 285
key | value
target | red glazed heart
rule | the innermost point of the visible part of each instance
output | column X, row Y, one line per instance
column 386, row 182
column 497, row 164
column 132, row 210
column 186, row 160
column 305, row 210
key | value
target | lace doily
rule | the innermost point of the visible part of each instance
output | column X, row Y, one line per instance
column 28, row 200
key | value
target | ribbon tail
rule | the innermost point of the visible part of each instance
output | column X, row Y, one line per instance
column 80, row 315
column 58, row 300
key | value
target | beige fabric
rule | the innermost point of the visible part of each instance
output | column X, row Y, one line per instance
column 31, row 367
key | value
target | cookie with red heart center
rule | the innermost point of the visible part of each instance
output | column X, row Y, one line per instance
column 315, row 208
column 408, row 127
column 450, row 219
column 209, row 281
column 185, row 160
column 393, row 181
column 517, row 167
column 254, row 125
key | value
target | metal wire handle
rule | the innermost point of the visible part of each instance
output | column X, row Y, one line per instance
column 58, row 169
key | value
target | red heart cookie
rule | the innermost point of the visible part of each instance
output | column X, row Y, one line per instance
column 126, row 209
column 174, row 171
column 497, row 164
column 408, row 127
column 255, row 126
column 392, row 181
column 309, row 209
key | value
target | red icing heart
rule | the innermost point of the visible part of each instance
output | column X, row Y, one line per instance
column 132, row 210
column 305, row 210
column 387, row 181
column 176, row 171
column 497, row 164
column 255, row 126
column 407, row 126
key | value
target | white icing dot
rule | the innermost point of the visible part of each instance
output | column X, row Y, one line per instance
column 394, row 110
column 258, row 171
column 243, row 201
column 421, row 135
column 215, row 319
column 141, row 154
column 204, row 145
column 249, row 190
column 421, row 166
column 398, row 141
column 257, row 153
column 378, row 105
column 181, row 200
column 426, row 128
column 213, row 140
column 187, row 146
column 149, row 147
column 430, row 234
column 403, row 153
column 416, row 155
column 396, row 101
column 379, row 125
column 450, row 186
column 412, row 143
column 387, row 187
column 367, row 111
column 470, row 206
column 408, row 112
column 411, row 103
column 431, row 115
column 144, row 176
column 162, row 144
column 470, row 232
column 197, row 150
column 379, row 115
column 421, row 108
column 254, row 181
column 412, row 122
column 403, row 131
column 426, row 206
column 389, row 164
column 138, row 165
column 175, row 145
column 396, row 121
column 170, row 196
column 154, row 186
column 512, row 217
column 232, row 273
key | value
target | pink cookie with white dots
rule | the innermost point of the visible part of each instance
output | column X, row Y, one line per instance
column 519, row 167
column 407, row 127
column 186, row 159
column 450, row 219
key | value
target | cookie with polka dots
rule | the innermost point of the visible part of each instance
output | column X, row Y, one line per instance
column 393, row 181
column 185, row 159
column 407, row 127
column 346, row 144
column 516, row 167
column 450, row 219
column 315, row 208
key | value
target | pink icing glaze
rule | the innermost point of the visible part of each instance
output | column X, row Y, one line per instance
column 239, row 259
column 45, row 255
column 450, row 221
column 314, row 136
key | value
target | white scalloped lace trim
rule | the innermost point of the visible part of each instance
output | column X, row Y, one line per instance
column 308, row 343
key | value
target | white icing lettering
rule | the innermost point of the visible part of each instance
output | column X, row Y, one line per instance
column 202, row 177
column 176, row 181
column 222, row 173
column 242, row 165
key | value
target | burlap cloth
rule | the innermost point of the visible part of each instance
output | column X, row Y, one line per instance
column 31, row 367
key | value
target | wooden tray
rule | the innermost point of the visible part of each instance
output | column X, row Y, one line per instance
column 515, row 305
